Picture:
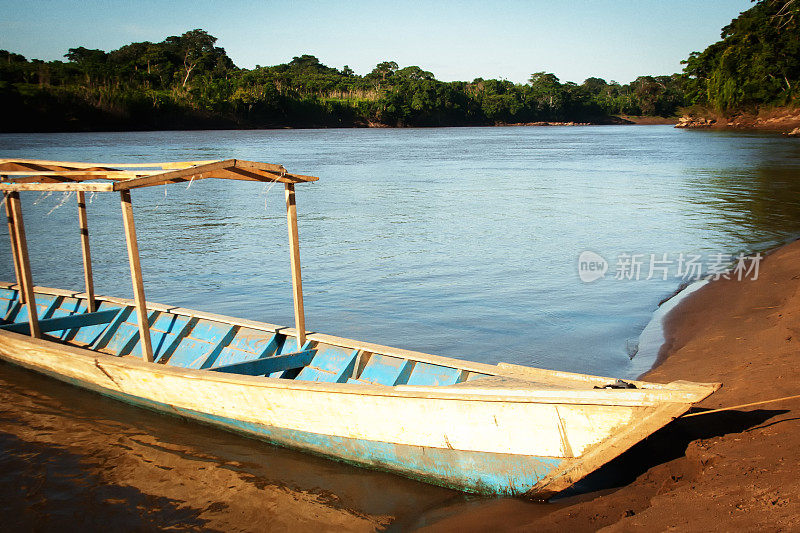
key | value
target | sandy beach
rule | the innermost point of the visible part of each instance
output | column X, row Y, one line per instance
column 727, row 471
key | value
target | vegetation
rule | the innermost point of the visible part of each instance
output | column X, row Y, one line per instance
column 756, row 64
column 188, row 82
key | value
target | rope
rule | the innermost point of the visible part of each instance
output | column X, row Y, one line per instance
column 64, row 197
column 43, row 196
column 742, row 405
column 266, row 192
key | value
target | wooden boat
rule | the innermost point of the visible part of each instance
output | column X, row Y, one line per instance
column 493, row 429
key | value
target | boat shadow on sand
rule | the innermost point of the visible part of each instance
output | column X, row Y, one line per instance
column 667, row 444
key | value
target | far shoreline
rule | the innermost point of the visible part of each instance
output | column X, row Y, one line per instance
column 227, row 126
column 787, row 123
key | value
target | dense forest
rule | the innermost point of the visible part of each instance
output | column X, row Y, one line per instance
column 188, row 81
column 755, row 64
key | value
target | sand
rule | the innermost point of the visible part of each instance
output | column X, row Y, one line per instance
column 730, row 471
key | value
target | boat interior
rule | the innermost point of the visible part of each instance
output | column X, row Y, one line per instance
column 186, row 341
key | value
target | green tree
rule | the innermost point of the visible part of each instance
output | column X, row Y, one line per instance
column 546, row 91
column 196, row 49
column 757, row 62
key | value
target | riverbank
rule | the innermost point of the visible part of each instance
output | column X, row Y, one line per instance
column 777, row 120
column 198, row 121
column 734, row 470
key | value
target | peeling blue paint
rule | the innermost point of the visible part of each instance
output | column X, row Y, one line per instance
column 469, row 471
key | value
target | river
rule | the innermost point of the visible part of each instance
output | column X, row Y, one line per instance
column 462, row 242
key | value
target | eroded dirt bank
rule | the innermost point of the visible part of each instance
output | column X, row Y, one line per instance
column 779, row 120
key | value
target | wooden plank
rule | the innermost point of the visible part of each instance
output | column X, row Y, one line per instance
column 267, row 365
column 41, row 178
column 223, row 342
column 65, row 322
column 87, row 256
column 24, row 265
column 121, row 344
column 482, row 368
column 54, row 304
column 87, row 187
column 50, row 179
column 166, row 354
column 136, row 276
column 236, row 173
column 331, row 365
column 79, row 173
column 254, row 165
column 275, row 169
column 14, row 251
column 107, row 334
column 249, row 175
column 433, row 375
column 78, row 164
column 297, row 282
column 301, row 178
column 165, row 177
column 225, row 169
column 648, row 422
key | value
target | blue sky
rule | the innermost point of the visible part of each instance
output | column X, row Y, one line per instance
column 456, row 40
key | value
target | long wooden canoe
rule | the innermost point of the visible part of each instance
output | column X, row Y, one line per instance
column 492, row 429
column 501, row 429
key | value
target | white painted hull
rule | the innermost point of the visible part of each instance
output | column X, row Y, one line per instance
column 556, row 435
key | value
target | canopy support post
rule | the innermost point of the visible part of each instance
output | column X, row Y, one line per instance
column 24, row 264
column 136, row 276
column 14, row 251
column 91, row 306
column 294, row 250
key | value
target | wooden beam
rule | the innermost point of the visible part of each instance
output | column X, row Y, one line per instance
column 268, row 365
column 71, row 186
column 79, row 173
column 87, row 256
column 49, row 179
column 41, row 175
column 236, row 169
column 14, row 251
column 24, row 265
column 136, row 276
column 164, row 177
column 279, row 170
column 255, row 165
column 77, row 164
column 77, row 320
column 294, row 250
column 237, row 173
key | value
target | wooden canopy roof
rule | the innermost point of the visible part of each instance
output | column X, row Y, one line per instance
column 41, row 175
